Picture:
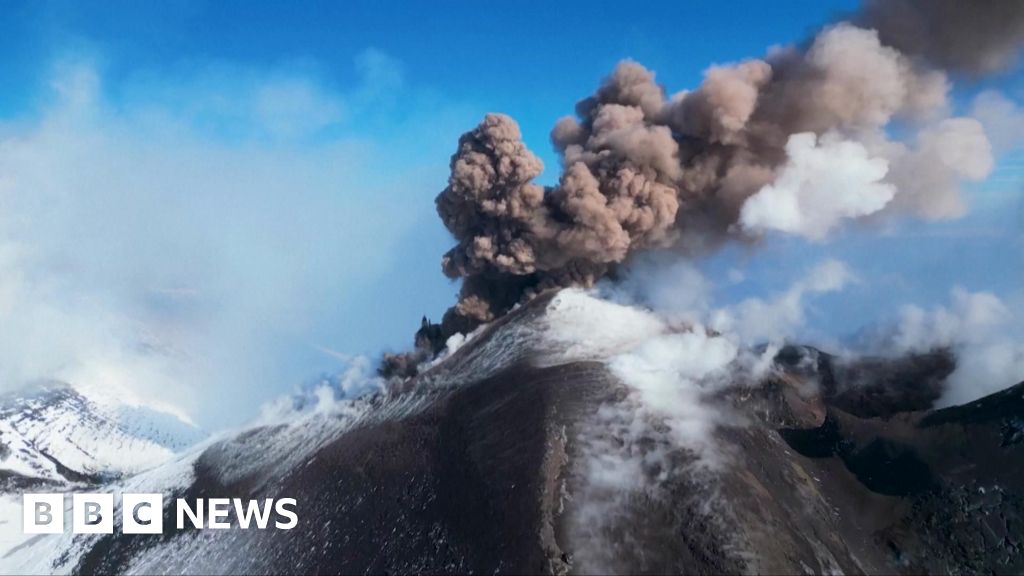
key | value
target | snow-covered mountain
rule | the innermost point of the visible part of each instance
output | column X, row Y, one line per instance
column 51, row 433
column 56, row 438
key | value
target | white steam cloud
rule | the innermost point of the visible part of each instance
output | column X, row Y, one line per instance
column 775, row 319
column 672, row 357
column 823, row 182
column 981, row 329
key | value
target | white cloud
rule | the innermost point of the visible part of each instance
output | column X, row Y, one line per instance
column 971, row 316
column 381, row 76
column 145, row 246
column 662, row 281
column 759, row 320
column 1002, row 118
column 823, row 182
column 928, row 174
column 980, row 329
column 291, row 101
column 291, row 107
column 667, row 288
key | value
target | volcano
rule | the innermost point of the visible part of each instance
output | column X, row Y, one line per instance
column 523, row 453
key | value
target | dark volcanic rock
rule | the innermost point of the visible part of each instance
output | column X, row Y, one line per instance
column 954, row 483
column 457, row 487
column 871, row 387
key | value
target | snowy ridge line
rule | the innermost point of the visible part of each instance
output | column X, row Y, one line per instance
column 55, row 434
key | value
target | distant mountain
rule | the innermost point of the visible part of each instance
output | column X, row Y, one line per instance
column 55, row 438
column 519, row 453
column 51, row 433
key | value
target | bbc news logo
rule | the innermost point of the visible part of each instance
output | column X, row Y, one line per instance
column 143, row 513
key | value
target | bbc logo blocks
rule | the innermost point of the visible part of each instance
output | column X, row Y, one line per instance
column 92, row 513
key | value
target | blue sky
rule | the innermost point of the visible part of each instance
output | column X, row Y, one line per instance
column 531, row 60
column 262, row 174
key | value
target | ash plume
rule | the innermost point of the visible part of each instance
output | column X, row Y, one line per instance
column 974, row 37
column 753, row 149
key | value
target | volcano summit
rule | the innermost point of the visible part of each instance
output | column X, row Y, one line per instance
column 523, row 451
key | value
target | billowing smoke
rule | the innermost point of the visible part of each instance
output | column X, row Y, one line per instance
column 974, row 37
column 796, row 142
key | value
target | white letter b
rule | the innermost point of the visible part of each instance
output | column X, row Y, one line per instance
column 43, row 513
